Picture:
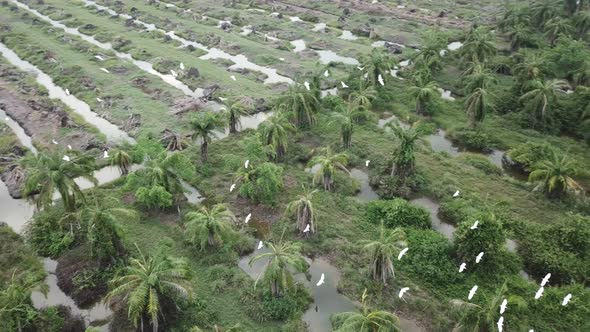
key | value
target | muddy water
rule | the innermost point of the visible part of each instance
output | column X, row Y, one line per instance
column 191, row 193
column 97, row 313
column 20, row 133
column 112, row 132
column 240, row 60
column 367, row 193
column 438, row 225
column 143, row 65
column 326, row 298
column 15, row 212
column 329, row 92
column 442, row 144
column 348, row 35
column 327, row 56
column 319, row 27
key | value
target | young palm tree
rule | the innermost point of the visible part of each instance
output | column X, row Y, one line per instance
column 557, row 27
column 16, row 308
column 147, row 284
column 102, row 220
column 541, row 96
column 428, row 57
column 424, row 92
column 515, row 16
column 347, row 120
column 383, row 251
column 166, row 170
column 302, row 208
column 484, row 318
column 542, row 11
column 203, row 126
column 208, row 227
column 121, row 159
column 329, row 162
column 234, row 109
column 479, row 46
column 48, row 172
column 404, row 159
column 582, row 24
column 378, row 62
column 274, row 133
column 364, row 96
column 555, row 175
column 478, row 76
column 276, row 274
column 519, row 35
column 529, row 69
column 301, row 104
column 477, row 105
column 366, row 320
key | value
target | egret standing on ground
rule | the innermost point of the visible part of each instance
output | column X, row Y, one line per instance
column 367, row 163
column 456, row 194
column 260, row 245
column 326, row 73
column 233, row 77
column 181, row 66
column 247, row 163
column 54, row 142
column 66, row 158
column 344, row 86
column 307, row 228
column 106, row 154
column 67, row 92
column 306, row 83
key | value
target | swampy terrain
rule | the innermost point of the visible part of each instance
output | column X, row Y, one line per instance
column 295, row 165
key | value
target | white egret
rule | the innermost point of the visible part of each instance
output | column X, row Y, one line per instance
column 361, row 68
column 539, row 293
column 566, row 299
column 326, row 74
column 307, row 228
column 181, row 66
column 260, row 245
column 403, row 291
column 367, row 163
column 105, row 70
column 474, row 226
column 462, row 267
column 402, row 253
column 344, row 86
column 98, row 100
column 321, row 281
column 67, row 92
column 69, row 147
column 282, row 59
column 472, row 292
column 500, row 324
column 545, row 279
column 503, row 306
column 173, row 73
column 222, row 99
column 306, row 83
column 479, row 256
column 66, row 158
column 248, row 218
column 246, row 163
column 456, row 194
column 380, row 79
column 233, row 186
column 99, row 57
column 106, row 154
column 54, row 142
column 233, row 77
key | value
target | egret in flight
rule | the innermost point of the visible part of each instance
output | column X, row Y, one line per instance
column 307, row 228
column 66, row 158
column 539, row 293
column 462, row 267
column 403, row 291
column 233, row 186
column 472, row 292
column 566, row 299
column 402, row 253
column 456, row 194
column 306, row 83
column 105, row 70
column 344, row 86
column 545, row 279
column 503, row 306
column 380, row 79
column 67, row 92
column 474, row 226
column 321, row 281
column 479, row 256
column 248, row 218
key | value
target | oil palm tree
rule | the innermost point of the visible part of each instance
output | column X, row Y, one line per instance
column 48, row 172
column 423, row 92
column 581, row 23
column 429, row 56
column 207, row 227
column 347, row 120
column 378, row 62
column 383, row 251
column 282, row 256
column 519, row 35
column 234, row 109
column 514, row 15
column 367, row 320
column 364, row 96
column 165, row 170
column 404, row 159
column 530, row 68
column 557, row 27
column 121, row 159
column 581, row 75
column 302, row 208
column 329, row 162
column 478, row 76
column 274, row 133
column 483, row 318
column 17, row 312
column 300, row 104
column 570, row 6
column 477, row 105
column 147, row 286
column 555, row 175
column 102, row 220
column 479, row 46
column 542, row 11
column 541, row 96
column 204, row 126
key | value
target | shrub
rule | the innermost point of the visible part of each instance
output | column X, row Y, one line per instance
column 430, row 258
column 154, row 197
column 45, row 234
column 265, row 185
column 475, row 140
column 489, row 237
column 397, row 212
column 458, row 210
column 525, row 155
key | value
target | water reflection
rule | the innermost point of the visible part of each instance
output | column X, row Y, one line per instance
column 432, row 207
column 367, row 193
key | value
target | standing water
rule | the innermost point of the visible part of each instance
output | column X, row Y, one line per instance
column 367, row 193
column 432, row 207
column 327, row 56
column 299, row 45
column 112, row 132
column 20, row 133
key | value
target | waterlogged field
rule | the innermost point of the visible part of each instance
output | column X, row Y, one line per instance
column 326, row 136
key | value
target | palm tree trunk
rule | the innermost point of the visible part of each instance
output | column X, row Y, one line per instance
column 204, row 150
column 232, row 124
column 419, row 107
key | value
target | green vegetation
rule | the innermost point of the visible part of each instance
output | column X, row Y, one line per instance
column 171, row 263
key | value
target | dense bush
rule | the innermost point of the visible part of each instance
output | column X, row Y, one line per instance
column 397, row 212
column 265, row 185
column 475, row 140
column 45, row 234
column 489, row 237
column 458, row 210
column 563, row 250
column 154, row 197
column 525, row 155
column 430, row 259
